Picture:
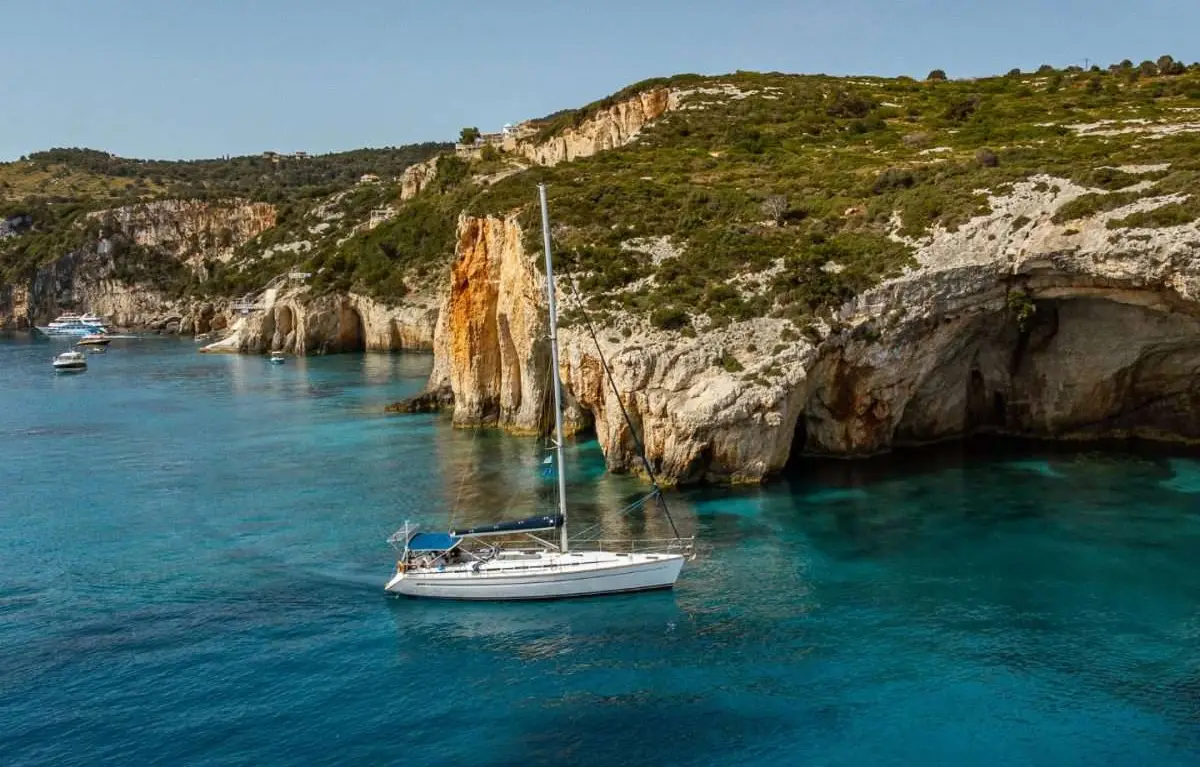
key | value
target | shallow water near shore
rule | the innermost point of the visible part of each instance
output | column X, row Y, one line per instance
column 192, row 557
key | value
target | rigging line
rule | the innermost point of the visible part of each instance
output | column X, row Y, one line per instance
column 641, row 451
column 631, row 507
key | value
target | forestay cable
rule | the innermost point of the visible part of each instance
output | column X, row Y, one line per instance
column 641, row 451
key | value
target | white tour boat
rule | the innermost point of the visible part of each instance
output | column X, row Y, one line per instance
column 70, row 362
column 69, row 324
column 516, row 560
column 277, row 358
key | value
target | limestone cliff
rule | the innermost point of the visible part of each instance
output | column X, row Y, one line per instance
column 490, row 344
column 192, row 229
column 697, row 418
column 1044, row 329
column 299, row 322
column 90, row 278
column 1012, row 324
column 607, row 129
column 416, row 177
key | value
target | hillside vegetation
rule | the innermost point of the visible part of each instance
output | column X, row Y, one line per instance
column 761, row 194
column 59, row 187
column 786, row 195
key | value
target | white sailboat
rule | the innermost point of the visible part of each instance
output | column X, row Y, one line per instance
column 517, row 560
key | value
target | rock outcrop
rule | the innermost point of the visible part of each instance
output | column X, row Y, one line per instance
column 490, row 345
column 696, row 417
column 299, row 322
column 609, row 128
column 192, row 229
column 87, row 279
column 416, row 177
column 1048, row 330
column 83, row 280
column 1010, row 324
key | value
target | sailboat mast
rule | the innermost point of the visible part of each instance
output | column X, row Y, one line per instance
column 558, row 427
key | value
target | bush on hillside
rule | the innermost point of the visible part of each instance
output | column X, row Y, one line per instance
column 669, row 318
column 849, row 105
column 986, row 158
column 960, row 110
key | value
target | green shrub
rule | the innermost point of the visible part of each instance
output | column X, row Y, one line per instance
column 1172, row 214
column 1088, row 205
column 1106, row 178
column 958, row 111
column 670, row 318
column 1020, row 307
column 849, row 105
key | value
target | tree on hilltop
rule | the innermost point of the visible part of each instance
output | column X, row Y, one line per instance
column 468, row 135
column 1167, row 65
column 937, row 75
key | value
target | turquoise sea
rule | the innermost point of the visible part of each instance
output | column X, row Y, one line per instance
column 192, row 558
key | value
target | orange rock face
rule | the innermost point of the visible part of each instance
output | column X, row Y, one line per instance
column 491, row 346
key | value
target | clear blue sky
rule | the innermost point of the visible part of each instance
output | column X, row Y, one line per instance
column 202, row 78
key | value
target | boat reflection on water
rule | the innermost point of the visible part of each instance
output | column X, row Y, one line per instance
column 530, row 629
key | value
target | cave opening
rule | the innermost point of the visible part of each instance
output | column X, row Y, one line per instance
column 797, row 454
column 350, row 331
column 1077, row 367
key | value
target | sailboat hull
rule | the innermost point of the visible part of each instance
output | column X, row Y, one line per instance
column 552, row 576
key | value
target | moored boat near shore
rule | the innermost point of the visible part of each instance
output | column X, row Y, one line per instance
column 94, row 339
column 70, row 362
column 71, row 324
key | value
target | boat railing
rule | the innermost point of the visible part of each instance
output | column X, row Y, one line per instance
column 684, row 546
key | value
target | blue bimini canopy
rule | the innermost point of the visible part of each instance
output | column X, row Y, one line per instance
column 529, row 524
column 432, row 542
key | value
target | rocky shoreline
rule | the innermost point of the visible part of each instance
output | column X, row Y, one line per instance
column 1015, row 337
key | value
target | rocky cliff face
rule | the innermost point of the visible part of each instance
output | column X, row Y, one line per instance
column 83, row 280
column 1049, row 330
column 299, row 322
column 193, row 229
column 87, row 279
column 609, row 129
column 416, row 177
column 696, row 417
column 490, row 344
column 1011, row 324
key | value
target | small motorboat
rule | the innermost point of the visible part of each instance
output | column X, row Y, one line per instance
column 94, row 339
column 276, row 358
column 70, row 362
